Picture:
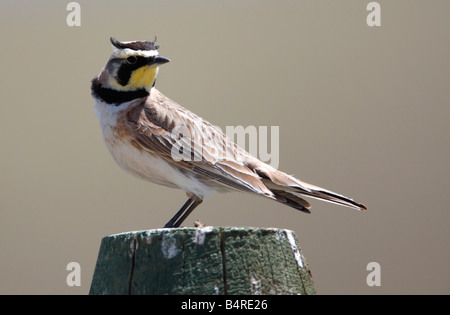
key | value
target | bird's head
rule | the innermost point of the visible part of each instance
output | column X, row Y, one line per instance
column 132, row 66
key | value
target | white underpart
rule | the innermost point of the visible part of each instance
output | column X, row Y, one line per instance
column 139, row 162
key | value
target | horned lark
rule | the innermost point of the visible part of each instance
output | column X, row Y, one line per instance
column 139, row 123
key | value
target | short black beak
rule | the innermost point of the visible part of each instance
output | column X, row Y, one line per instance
column 159, row 60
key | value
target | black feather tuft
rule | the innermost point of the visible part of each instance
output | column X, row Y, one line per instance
column 137, row 45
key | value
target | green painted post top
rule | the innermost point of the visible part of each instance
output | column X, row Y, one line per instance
column 203, row 260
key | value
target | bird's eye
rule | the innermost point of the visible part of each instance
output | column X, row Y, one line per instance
column 131, row 59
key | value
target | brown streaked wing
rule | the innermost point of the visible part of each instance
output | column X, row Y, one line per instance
column 155, row 125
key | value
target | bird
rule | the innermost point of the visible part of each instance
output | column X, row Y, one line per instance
column 156, row 139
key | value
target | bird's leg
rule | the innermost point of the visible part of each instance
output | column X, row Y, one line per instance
column 171, row 223
column 197, row 201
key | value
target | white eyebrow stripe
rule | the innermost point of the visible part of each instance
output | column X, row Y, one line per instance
column 122, row 53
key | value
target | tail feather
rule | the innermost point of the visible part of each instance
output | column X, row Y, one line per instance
column 292, row 200
column 287, row 189
column 332, row 197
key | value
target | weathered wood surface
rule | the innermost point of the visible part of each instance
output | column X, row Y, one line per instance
column 205, row 260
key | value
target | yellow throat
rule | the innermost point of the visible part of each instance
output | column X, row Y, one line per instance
column 141, row 78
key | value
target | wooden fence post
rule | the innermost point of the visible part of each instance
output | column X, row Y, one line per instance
column 204, row 260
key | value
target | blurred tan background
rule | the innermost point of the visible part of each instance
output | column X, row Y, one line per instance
column 362, row 110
